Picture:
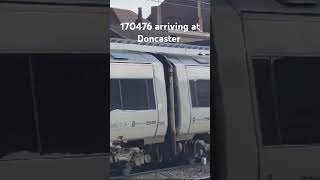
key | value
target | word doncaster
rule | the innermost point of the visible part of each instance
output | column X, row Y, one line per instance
column 144, row 26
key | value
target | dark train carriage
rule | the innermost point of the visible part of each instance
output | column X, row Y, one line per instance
column 53, row 71
column 268, row 64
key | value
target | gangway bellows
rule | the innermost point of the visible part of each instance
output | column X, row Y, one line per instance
column 134, row 45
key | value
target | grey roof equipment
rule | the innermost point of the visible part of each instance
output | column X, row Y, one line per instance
column 125, row 56
column 171, row 48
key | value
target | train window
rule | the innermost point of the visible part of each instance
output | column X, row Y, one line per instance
column 265, row 98
column 194, row 101
column 298, row 90
column 200, row 93
column 119, row 56
column 151, row 97
column 135, row 94
column 71, row 94
column 203, row 93
column 17, row 129
column 289, row 100
column 201, row 60
column 115, row 96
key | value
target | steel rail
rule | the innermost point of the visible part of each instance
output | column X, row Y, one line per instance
column 150, row 172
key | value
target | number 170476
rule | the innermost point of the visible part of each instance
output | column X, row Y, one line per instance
column 134, row 26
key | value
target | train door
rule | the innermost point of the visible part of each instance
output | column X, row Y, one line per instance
column 133, row 102
column 199, row 89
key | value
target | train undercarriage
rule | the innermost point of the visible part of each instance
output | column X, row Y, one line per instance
column 126, row 156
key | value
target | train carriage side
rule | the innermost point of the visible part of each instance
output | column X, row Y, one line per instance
column 138, row 108
column 199, row 88
column 191, row 79
column 268, row 62
column 53, row 95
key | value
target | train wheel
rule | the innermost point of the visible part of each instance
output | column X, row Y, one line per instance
column 127, row 169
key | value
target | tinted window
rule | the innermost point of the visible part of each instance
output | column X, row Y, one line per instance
column 115, row 98
column 53, row 103
column 193, row 93
column 200, row 93
column 151, row 97
column 203, row 93
column 17, row 124
column 72, row 96
column 288, row 93
column 266, row 107
column 298, row 90
column 137, row 94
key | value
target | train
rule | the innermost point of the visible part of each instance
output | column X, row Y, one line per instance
column 266, row 67
column 159, row 106
column 260, row 130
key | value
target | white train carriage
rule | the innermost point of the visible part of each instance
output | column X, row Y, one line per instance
column 138, row 107
column 192, row 83
column 160, row 103
column 191, row 94
column 138, row 104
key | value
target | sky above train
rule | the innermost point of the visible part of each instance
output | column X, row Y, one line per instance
column 134, row 4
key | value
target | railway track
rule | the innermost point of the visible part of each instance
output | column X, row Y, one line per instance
column 204, row 178
column 161, row 173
